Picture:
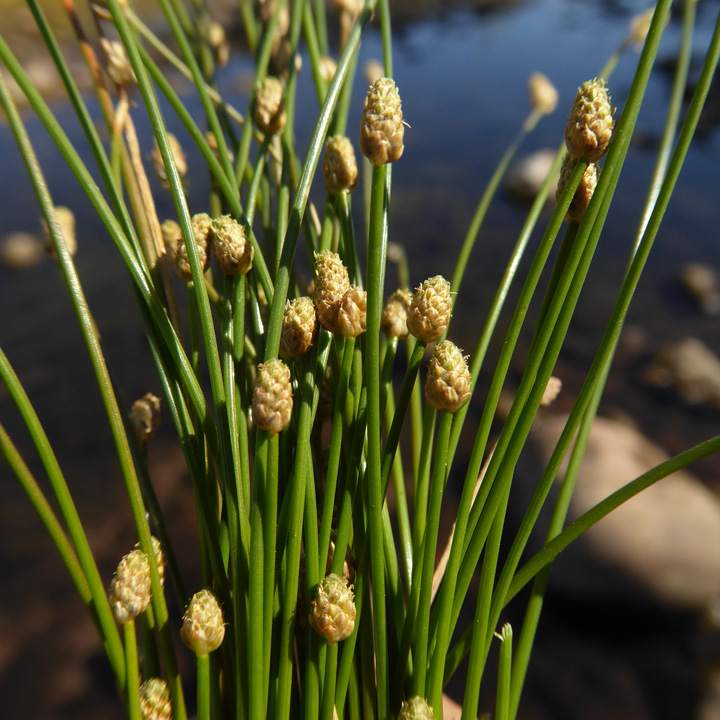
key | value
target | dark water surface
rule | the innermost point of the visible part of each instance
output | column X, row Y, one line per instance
column 462, row 75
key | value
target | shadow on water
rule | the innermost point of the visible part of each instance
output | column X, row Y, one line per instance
column 462, row 71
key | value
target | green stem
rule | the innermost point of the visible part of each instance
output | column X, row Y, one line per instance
column 377, row 248
column 422, row 622
column 502, row 703
column 131, row 665
column 203, row 687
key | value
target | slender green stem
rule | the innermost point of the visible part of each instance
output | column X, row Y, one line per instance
column 502, row 701
column 203, row 687
column 377, row 249
column 133, row 676
column 422, row 621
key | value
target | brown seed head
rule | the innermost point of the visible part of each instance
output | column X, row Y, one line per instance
column 590, row 125
column 382, row 129
column 298, row 327
column 144, row 416
column 328, row 66
column 639, row 27
column 352, row 312
column 543, row 95
column 395, row 315
column 130, row 587
column 584, row 192
column 272, row 398
column 340, row 170
column 430, row 309
column 159, row 165
column 203, row 627
column 118, row 66
column 552, row 390
column 416, row 708
column 269, row 106
column 333, row 609
column 155, row 701
column 447, row 386
column 230, row 246
column 331, row 283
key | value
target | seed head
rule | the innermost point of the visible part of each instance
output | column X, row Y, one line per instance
column 202, row 228
column 543, row 95
column 381, row 129
column 340, row 170
column 552, row 390
column 144, row 417
column 159, row 558
column 213, row 145
column 590, row 124
column 298, row 327
column 584, row 192
column 230, row 246
column 447, row 386
column 430, row 309
column 269, row 106
column 203, row 627
column 66, row 220
column 416, row 708
column 130, row 588
column 328, row 66
column 159, row 165
column 639, row 27
column 352, row 312
column 333, row 609
column 272, row 398
column 395, row 315
column 218, row 44
column 331, row 283
column 118, row 66
column 155, row 700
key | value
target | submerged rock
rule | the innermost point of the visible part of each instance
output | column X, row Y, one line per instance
column 526, row 176
column 691, row 368
column 667, row 538
column 702, row 283
column 20, row 250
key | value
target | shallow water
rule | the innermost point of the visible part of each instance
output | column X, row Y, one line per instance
column 462, row 75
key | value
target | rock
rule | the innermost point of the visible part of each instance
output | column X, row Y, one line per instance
column 526, row 176
column 20, row 251
column 667, row 538
column 701, row 282
column 691, row 368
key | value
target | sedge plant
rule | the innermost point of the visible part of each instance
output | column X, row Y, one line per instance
column 289, row 400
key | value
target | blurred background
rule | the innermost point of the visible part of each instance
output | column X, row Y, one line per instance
column 612, row 642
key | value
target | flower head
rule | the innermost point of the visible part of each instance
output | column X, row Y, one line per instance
column 203, row 627
column 382, row 129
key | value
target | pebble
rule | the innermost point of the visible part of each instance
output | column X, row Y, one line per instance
column 526, row 176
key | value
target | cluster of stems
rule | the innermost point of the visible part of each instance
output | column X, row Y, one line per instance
column 320, row 602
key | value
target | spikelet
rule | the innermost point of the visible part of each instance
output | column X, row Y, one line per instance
column 331, row 283
column 159, row 165
column 231, row 247
column 416, row 708
column 203, row 627
column 328, row 67
column 352, row 312
column 272, row 398
column 393, row 321
column 66, row 220
column 218, row 43
column 298, row 327
column 172, row 235
column 430, row 309
column 130, row 590
column 269, row 106
column 118, row 65
column 590, row 125
column 447, row 386
column 333, row 609
column 155, row 701
column 159, row 558
column 382, row 129
column 340, row 170
column 144, row 417
column 584, row 192
column 543, row 95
